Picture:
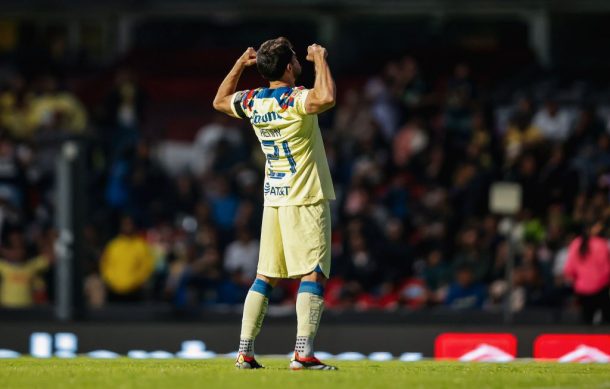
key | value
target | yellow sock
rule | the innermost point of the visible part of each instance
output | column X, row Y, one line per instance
column 310, row 305
column 309, row 313
column 255, row 308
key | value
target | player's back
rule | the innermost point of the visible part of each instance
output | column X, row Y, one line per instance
column 296, row 171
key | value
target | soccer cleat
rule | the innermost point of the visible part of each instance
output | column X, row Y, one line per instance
column 246, row 362
column 310, row 363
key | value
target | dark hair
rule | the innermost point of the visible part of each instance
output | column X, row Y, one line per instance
column 272, row 58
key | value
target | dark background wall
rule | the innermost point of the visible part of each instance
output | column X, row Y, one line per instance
column 277, row 336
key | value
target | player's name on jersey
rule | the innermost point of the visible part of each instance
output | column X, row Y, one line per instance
column 271, row 133
column 269, row 116
column 276, row 190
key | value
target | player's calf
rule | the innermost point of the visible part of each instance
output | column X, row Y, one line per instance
column 255, row 308
column 310, row 304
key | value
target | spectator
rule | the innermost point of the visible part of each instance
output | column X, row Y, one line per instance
column 471, row 257
column 553, row 122
column 13, row 180
column 412, row 87
column 531, row 286
column 202, row 282
column 362, row 267
column 145, row 178
column 55, row 110
column 124, row 110
column 14, row 106
column 353, row 120
column 397, row 253
column 461, row 92
column 586, row 132
column 437, row 275
column 126, row 102
column 560, row 261
column 553, row 177
column 410, row 140
column 94, row 289
column 527, row 174
column 187, row 195
column 224, row 204
column 588, row 267
column 127, row 263
column 465, row 292
column 241, row 255
column 383, row 107
column 21, row 283
column 220, row 132
column 93, row 285
column 521, row 136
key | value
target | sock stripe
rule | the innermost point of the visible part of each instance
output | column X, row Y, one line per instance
column 261, row 287
column 311, row 287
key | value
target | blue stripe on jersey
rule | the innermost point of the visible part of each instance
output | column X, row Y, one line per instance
column 276, row 93
column 293, row 164
column 265, row 93
column 276, row 175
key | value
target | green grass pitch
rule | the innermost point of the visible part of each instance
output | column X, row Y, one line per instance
column 219, row 373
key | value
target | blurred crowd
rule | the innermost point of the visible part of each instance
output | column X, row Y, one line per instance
column 414, row 162
column 412, row 155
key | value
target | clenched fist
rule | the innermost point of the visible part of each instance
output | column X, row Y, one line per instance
column 248, row 58
column 315, row 51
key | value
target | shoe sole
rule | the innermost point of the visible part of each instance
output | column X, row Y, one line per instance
column 248, row 367
column 322, row 368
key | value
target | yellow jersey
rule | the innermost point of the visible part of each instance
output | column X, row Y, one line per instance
column 17, row 281
column 127, row 263
column 296, row 171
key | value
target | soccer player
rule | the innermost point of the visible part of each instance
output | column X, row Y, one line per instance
column 296, row 227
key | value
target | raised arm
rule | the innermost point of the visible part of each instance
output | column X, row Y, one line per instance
column 322, row 96
column 222, row 101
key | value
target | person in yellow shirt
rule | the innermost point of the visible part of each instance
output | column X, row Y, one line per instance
column 55, row 109
column 20, row 277
column 296, row 227
column 127, row 263
column 14, row 106
column 520, row 135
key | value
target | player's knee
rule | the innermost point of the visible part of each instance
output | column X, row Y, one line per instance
column 261, row 287
column 269, row 280
column 312, row 287
column 315, row 276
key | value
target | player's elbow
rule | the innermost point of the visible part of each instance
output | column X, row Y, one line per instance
column 328, row 101
column 217, row 104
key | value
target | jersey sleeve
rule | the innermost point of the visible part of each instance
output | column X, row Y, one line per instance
column 240, row 103
column 299, row 96
column 39, row 264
